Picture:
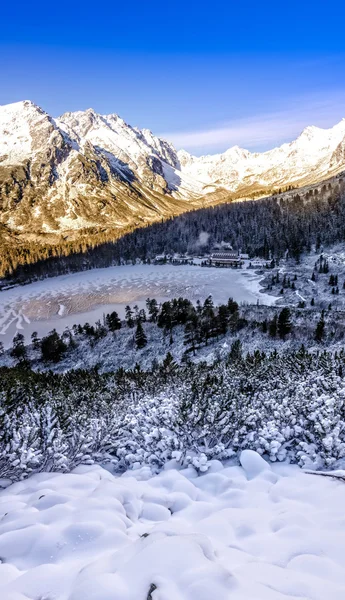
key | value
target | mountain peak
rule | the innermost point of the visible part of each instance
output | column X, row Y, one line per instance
column 21, row 107
column 18, row 123
column 311, row 131
column 237, row 152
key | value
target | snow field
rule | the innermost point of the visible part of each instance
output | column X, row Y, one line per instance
column 251, row 532
column 84, row 297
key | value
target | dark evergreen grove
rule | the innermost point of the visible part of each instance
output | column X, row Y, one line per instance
column 269, row 227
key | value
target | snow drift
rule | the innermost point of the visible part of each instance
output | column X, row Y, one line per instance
column 243, row 533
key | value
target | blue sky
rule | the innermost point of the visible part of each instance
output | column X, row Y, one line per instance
column 205, row 75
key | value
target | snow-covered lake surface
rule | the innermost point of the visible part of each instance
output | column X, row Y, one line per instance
column 251, row 533
column 84, row 297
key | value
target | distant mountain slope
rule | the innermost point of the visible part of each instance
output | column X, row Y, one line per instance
column 315, row 155
column 85, row 170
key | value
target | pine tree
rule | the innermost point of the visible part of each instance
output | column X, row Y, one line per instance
column 165, row 316
column 140, row 337
column 100, row 330
column 169, row 365
column 152, row 308
column 320, row 328
column 142, row 315
column 223, row 318
column 273, row 325
column 36, row 342
column 113, row 321
column 18, row 349
column 235, row 353
column 191, row 333
column 232, row 306
column 52, row 347
column 284, row 322
column 136, row 313
column 129, row 317
column 207, row 319
column 208, row 308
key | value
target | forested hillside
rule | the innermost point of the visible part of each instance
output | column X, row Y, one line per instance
column 293, row 221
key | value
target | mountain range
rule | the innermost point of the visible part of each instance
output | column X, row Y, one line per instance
column 86, row 170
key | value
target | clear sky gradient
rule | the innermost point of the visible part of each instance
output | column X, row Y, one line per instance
column 204, row 75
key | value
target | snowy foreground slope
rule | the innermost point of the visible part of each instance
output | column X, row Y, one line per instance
column 257, row 532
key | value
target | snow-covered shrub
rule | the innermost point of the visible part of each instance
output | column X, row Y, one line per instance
column 289, row 406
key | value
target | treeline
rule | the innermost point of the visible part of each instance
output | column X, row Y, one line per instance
column 24, row 259
column 268, row 227
column 190, row 327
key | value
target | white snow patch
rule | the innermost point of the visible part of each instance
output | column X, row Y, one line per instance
column 61, row 310
column 253, row 464
column 89, row 535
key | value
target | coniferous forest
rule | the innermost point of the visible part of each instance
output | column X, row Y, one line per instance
column 293, row 222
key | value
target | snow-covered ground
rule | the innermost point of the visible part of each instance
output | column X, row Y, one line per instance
column 84, row 297
column 251, row 533
column 305, row 287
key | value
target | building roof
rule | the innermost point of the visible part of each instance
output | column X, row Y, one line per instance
column 225, row 255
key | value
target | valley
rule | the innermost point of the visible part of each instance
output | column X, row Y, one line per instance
column 172, row 301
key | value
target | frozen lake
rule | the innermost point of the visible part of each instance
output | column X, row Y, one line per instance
column 84, row 297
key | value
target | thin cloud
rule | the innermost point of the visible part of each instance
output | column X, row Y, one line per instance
column 264, row 131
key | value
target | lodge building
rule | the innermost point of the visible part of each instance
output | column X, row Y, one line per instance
column 225, row 259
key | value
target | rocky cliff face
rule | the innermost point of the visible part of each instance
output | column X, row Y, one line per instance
column 87, row 170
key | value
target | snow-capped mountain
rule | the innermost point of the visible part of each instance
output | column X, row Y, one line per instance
column 86, row 170
column 89, row 170
column 314, row 155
